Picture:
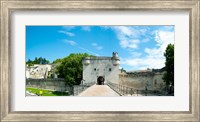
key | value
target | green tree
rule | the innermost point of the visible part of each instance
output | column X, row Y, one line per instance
column 169, row 65
column 59, row 60
column 39, row 60
column 71, row 68
column 29, row 62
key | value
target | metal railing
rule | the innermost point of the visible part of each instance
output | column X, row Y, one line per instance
column 128, row 91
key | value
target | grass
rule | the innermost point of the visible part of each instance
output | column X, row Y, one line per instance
column 44, row 92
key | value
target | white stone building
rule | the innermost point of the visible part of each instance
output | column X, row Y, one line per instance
column 39, row 71
column 101, row 70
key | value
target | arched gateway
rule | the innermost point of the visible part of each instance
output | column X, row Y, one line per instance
column 100, row 80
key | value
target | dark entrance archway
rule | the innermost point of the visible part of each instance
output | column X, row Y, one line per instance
column 100, row 80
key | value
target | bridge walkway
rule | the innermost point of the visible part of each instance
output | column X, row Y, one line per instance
column 99, row 90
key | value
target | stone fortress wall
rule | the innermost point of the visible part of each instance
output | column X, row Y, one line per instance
column 52, row 84
column 57, row 84
column 141, row 80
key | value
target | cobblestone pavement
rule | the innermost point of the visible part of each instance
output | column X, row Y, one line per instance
column 99, row 90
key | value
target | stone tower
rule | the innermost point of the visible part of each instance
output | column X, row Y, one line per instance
column 100, row 70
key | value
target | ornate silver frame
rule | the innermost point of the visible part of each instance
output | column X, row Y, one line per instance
column 8, row 6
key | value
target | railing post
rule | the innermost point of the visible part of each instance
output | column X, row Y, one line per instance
column 78, row 90
column 72, row 88
column 146, row 92
column 131, row 91
column 118, row 88
column 123, row 90
column 126, row 90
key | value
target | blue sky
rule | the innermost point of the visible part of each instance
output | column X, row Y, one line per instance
column 139, row 47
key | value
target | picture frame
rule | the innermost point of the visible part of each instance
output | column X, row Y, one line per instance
column 7, row 7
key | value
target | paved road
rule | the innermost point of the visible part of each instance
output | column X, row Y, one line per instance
column 99, row 90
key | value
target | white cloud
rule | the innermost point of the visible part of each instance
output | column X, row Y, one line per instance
column 67, row 33
column 67, row 28
column 105, row 27
column 89, row 51
column 154, row 52
column 86, row 28
column 133, row 43
column 146, row 40
column 135, row 54
column 162, row 38
column 96, row 46
column 128, row 36
column 129, row 44
column 73, row 43
column 167, row 28
column 154, row 56
column 147, row 62
column 124, row 31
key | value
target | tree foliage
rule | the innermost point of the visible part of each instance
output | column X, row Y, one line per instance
column 169, row 65
column 59, row 60
column 71, row 68
column 39, row 60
